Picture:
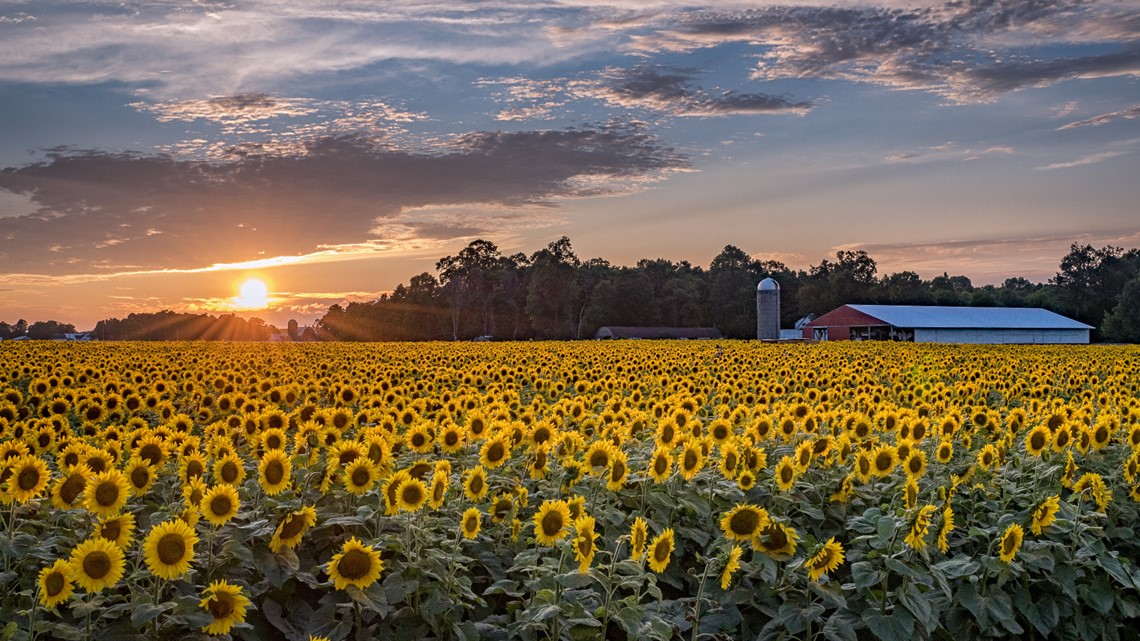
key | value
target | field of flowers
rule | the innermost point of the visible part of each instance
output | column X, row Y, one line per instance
column 648, row 490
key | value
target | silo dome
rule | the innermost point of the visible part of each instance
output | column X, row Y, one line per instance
column 768, row 285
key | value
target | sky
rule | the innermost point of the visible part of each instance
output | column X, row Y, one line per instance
column 157, row 155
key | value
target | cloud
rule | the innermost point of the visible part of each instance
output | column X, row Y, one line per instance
column 1127, row 114
column 101, row 212
column 1081, row 162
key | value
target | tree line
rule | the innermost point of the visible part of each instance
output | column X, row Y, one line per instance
column 552, row 294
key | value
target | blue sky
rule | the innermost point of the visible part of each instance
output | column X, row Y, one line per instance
column 156, row 154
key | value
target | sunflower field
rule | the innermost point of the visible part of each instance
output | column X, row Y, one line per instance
column 620, row 490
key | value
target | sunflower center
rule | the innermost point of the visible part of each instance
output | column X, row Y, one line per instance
column 292, row 526
column 471, row 524
column 151, row 452
column 786, row 474
column 221, row 606
column 661, row 552
column 450, row 438
column 552, row 523
column 775, row 538
column 140, row 476
column 355, row 564
column 1008, row 545
column 221, row 505
column 107, row 493
column 97, row 564
column 618, row 471
column 660, row 465
column 744, row 522
column 495, row 452
column 229, row 472
column 730, row 461
column 412, row 494
column 171, row 549
column 55, row 583
column 29, row 478
column 476, row 484
column 274, row 472
column 361, row 476
column 690, row 459
column 194, row 468
column 437, row 491
column 586, row 543
column 1037, row 440
column 915, row 465
column 71, row 488
column 883, row 461
column 112, row 529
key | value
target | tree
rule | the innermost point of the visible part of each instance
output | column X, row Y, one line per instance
column 46, row 330
column 1123, row 324
column 469, row 277
column 1090, row 280
column 732, row 293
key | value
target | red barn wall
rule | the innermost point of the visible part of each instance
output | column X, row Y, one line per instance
column 839, row 322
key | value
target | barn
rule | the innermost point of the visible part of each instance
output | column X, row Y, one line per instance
column 935, row 324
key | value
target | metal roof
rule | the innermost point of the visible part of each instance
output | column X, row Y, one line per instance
column 933, row 316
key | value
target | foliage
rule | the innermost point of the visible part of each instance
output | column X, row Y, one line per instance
column 1020, row 519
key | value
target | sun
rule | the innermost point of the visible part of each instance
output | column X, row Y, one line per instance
column 253, row 293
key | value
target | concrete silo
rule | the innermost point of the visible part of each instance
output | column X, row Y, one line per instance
column 768, row 310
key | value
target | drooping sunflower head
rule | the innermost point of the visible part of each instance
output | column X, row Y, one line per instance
column 826, row 559
column 1045, row 514
column 777, row 541
column 1011, row 542
column 731, row 565
column 226, row 604
column 585, row 542
column 638, row 537
column 356, row 564
column 292, row 528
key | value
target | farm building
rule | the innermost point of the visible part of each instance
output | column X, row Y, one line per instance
column 612, row 331
column 934, row 324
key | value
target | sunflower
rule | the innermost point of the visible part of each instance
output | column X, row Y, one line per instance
column 141, row 476
column 495, row 452
column 97, row 564
column 585, row 542
column 1044, row 514
column 229, row 469
column 777, row 541
column 945, row 530
column 598, row 455
column 785, row 473
column 661, row 551
column 475, row 484
column 692, row 459
column 884, row 458
column 618, row 472
column 1011, row 542
column 356, row 564
column 503, row 507
column 29, row 477
column 292, row 528
column 437, row 491
column 1062, row 437
column 169, row 549
column 419, row 439
column 152, row 448
column 744, row 522
column 411, row 494
column 56, row 584
column 660, row 465
column 226, row 604
column 551, row 521
column 220, row 504
column 746, row 480
column 191, row 465
column 577, row 505
column 730, row 460
column 731, row 565
column 803, row 455
column 106, row 493
column 910, row 494
column 638, row 535
column 274, row 472
column 539, row 462
column 864, row 467
column 945, row 451
column 916, row 538
column 452, row 438
column 846, row 489
column 915, row 464
column 471, row 522
column 826, row 559
column 117, row 529
column 1037, row 440
column 360, row 476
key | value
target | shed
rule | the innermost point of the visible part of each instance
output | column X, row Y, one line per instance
column 613, row 331
column 938, row 324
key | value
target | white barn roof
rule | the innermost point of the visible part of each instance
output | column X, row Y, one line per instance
column 933, row 316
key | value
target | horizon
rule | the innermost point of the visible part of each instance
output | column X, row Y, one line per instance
column 161, row 155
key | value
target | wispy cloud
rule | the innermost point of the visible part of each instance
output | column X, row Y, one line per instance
column 1081, row 162
column 1096, row 121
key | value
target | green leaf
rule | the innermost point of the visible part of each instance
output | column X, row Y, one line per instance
column 1116, row 570
column 840, row 627
column 865, row 575
column 896, row 626
column 968, row 598
column 918, row 605
column 999, row 608
column 958, row 567
column 1099, row 594
column 145, row 613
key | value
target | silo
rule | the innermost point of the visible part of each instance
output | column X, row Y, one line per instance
column 768, row 310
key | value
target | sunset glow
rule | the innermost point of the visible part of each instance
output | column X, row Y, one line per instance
column 252, row 294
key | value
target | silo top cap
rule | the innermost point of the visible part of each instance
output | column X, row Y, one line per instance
column 768, row 285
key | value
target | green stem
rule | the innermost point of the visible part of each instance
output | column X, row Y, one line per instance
column 612, row 587
column 32, row 616
column 700, row 597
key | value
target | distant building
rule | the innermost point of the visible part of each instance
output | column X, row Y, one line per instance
column 611, row 331
column 935, row 324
